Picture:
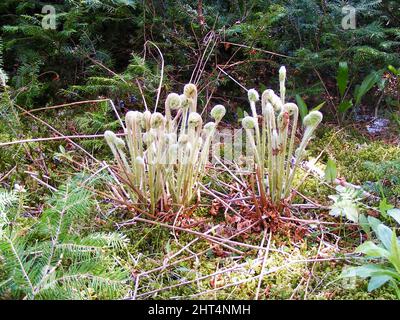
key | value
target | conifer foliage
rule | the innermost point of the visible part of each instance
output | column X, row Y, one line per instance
column 50, row 258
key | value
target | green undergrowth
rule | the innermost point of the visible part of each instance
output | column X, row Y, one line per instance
column 359, row 160
column 152, row 246
column 288, row 274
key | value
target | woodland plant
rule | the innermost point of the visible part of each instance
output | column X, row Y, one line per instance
column 386, row 255
column 163, row 158
column 347, row 203
column 50, row 258
column 360, row 91
column 272, row 137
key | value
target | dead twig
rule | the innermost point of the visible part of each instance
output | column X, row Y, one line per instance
column 264, row 262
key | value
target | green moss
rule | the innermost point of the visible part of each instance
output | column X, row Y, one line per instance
column 312, row 188
column 152, row 246
column 351, row 152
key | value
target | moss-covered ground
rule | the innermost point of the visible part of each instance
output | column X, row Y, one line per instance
column 304, row 260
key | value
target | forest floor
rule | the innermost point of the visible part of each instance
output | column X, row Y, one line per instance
column 209, row 253
column 304, row 257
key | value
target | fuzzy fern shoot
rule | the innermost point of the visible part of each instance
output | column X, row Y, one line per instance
column 164, row 157
column 273, row 140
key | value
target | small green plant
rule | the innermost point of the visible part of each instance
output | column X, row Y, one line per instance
column 360, row 91
column 330, row 171
column 167, row 155
column 347, row 203
column 386, row 175
column 304, row 109
column 386, row 254
column 393, row 89
column 273, row 140
column 49, row 257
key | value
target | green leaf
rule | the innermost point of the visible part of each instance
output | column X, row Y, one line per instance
column 342, row 77
column 318, row 107
column 393, row 70
column 377, row 282
column 356, row 90
column 303, row 109
column 240, row 114
column 395, row 253
column 384, row 206
column 374, row 223
column 369, row 82
column 372, row 250
column 362, row 220
column 365, row 271
column 352, row 213
column 330, row 171
column 395, row 214
column 384, row 234
column 345, row 105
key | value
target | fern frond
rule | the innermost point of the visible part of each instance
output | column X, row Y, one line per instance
column 101, row 277
column 68, row 205
column 7, row 199
column 92, row 245
column 52, row 259
column 17, row 265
